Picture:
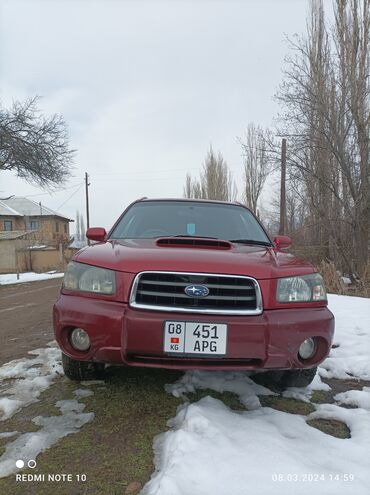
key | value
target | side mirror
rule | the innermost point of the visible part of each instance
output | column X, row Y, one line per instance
column 96, row 234
column 282, row 242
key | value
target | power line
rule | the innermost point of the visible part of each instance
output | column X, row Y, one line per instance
column 56, row 192
column 74, row 192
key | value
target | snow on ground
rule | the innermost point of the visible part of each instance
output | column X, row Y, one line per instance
column 11, row 278
column 8, row 434
column 22, row 382
column 212, row 449
column 83, row 392
column 358, row 398
column 29, row 445
column 352, row 335
column 225, row 381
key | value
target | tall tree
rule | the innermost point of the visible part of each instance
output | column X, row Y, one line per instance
column 35, row 147
column 256, row 146
column 326, row 98
column 78, row 226
column 215, row 180
column 82, row 229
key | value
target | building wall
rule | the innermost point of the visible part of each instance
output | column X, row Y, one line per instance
column 16, row 257
column 40, row 261
column 17, row 223
column 43, row 261
column 8, row 258
column 51, row 230
column 8, row 255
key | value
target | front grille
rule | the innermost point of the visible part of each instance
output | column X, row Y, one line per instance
column 165, row 291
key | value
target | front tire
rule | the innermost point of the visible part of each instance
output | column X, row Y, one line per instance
column 298, row 378
column 81, row 370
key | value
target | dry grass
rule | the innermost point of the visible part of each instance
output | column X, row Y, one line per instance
column 332, row 272
column 363, row 284
column 334, row 283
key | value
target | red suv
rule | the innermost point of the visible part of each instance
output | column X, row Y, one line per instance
column 192, row 284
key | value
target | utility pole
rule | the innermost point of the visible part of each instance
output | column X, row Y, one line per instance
column 282, row 226
column 87, row 203
column 40, row 227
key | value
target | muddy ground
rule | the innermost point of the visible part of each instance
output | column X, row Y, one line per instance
column 26, row 317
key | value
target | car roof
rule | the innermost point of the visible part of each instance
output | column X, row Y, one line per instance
column 192, row 200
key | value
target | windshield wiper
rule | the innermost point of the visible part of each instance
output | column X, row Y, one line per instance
column 251, row 241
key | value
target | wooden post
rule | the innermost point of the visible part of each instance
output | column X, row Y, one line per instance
column 87, row 203
column 282, row 226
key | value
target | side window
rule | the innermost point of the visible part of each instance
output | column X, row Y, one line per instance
column 65, row 228
column 34, row 225
column 8, row 225
column 56, row 226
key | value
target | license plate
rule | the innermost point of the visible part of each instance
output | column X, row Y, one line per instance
column 189, row 337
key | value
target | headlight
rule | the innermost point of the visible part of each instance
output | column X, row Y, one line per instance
column 87, row 278
column 301, row 289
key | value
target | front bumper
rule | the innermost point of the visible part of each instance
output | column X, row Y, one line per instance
column 134, row 337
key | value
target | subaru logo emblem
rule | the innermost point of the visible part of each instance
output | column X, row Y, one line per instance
column 196, row 291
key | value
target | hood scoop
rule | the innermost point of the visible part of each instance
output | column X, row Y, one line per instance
column 193, row 242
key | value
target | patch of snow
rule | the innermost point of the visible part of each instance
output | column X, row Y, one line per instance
column 221, row 381
column 38, row 246
column 23, row 382
column 83, row 392
column 28, row 378
column 305, row 393
column 8, row 407
column 358, row 421
column 346, row 280
column 11, row 278
column 352, row 335
column 359, row 398
column 29, row 445
column 211, row 449
column 8, row 434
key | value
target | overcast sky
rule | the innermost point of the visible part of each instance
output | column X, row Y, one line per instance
column 145, row 87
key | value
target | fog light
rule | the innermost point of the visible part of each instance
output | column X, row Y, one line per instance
column 80, row 339
column 307, row 348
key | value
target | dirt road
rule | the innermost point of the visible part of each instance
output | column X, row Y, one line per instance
column 26, row 317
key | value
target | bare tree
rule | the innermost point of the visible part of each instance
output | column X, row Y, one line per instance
column 192, row 188
column 215, row 180
column 256, row 146
column 34, row 146
column 82, row 229
column 78, row 226
column 326, row 98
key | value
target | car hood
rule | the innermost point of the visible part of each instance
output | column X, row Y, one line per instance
column 137, row 255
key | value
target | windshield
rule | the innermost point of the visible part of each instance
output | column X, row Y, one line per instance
column 151, row 219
